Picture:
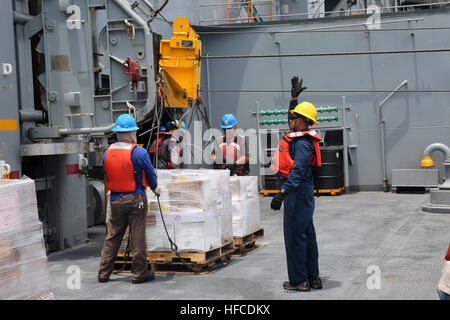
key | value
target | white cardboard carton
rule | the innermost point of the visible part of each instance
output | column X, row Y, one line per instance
column 198, row 236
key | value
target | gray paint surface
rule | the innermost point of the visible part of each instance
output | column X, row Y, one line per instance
column 354, row 231
column 413, row 120
column 9, row 140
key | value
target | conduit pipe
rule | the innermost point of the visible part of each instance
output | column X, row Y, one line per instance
column 427, row 161
column 76, row 131
column 382, row 127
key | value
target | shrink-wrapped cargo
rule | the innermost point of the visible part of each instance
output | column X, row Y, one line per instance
column 245, row 205
column 23, row 260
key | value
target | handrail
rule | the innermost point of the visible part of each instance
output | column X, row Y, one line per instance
column 326, row 13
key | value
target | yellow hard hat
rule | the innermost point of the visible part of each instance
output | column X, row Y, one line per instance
column 307, row 110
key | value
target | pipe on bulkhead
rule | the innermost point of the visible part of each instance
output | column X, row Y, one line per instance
column 382, row 128
column 31, row 115
column 76, row 131
column 427, row 161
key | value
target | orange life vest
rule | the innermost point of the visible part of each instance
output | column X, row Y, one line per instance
column 119, row 168
column 157, row 145
column 282, row 161
column 231, row 151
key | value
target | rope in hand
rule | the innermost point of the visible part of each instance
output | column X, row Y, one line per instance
column 173, row 245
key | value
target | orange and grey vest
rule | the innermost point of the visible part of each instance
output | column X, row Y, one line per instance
column 231, row 152
column 282, row 161
column 119, row 168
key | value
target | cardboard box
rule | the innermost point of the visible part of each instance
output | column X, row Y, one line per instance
column 198, row 236
column 244, row 187
column 246, row 216
column 156, row 237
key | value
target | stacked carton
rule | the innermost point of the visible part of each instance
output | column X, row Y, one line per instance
column 245, row 201
column 202, row 209
column 197, row 210
column 196, row 206
column 23, row 260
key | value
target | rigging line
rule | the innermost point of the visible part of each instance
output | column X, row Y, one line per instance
column 164, row 19
column 324, row 91
column 307, row 31
column 318, row 54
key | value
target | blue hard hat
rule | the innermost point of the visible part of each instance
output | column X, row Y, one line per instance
column 228, row 121
column 171, row 125
column 125, row 123
column 162, row 129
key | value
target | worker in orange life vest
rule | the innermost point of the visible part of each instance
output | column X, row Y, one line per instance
column 232, row 150
column 170, row 153
column 129, row 172
column 295, row 156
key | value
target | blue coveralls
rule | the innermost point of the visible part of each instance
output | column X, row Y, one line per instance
column 299, row 233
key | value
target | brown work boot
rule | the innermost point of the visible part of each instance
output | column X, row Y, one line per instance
column 301, row 287
column 316, row 283
column 149, row 276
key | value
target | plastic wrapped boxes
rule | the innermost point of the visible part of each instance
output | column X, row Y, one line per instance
column 245, row 202
column 202, row 209
column 23, row 260
column 196, row 205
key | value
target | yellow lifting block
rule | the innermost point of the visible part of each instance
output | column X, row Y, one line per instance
column 180, row 64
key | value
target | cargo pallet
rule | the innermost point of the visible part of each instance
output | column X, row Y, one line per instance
column 247, row 243
column 332, row 192
column 191, row 262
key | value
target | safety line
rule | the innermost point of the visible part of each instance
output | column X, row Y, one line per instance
column 319, row 54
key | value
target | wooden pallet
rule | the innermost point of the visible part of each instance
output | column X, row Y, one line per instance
column 247, row 243
column 194, row 262
column 332, row 192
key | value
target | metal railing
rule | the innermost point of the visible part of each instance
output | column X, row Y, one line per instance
column 348, row 12
column 251, row 9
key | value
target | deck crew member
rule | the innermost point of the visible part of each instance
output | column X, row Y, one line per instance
column 128, row 171
column 232, row 150
column 168, row 147
column 295, row 156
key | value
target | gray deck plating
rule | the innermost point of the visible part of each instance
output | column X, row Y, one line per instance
column 354, row 231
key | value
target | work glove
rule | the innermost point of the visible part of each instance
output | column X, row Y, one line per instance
column 157, row 191
column 296, row 87
column 240, row 161
column 277, row 201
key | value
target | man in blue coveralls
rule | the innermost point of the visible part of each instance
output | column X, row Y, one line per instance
column 129, row 172
column 296, row 154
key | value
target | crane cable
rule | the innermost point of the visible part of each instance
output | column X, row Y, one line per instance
column 173, row 245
